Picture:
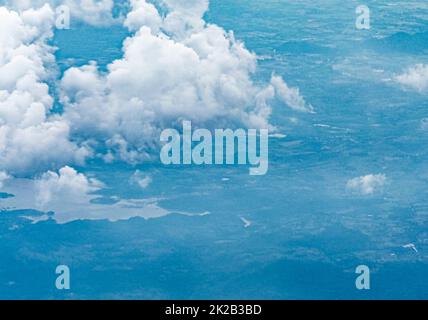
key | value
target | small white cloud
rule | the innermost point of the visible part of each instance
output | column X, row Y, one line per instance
column 64, row 185
column 415, row 77
column 140, row 179
column 290, row 96
column 367, row 185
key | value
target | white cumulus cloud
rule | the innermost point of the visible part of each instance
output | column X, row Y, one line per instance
column 367, row 185
column 174, row 67
column 66, row 184
column 30, row 137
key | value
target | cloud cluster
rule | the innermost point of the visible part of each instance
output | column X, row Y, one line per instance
column 30, row 138
column 94, row 12
column 174, row 67
column 367, row 185
column 415, row 78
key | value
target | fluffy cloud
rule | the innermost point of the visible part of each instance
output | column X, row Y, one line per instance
column 367, row 185
column 415, row 77
column 95, row 12
column 143, row 14
column 30, row 138
column 174, row 67
column 66, row 184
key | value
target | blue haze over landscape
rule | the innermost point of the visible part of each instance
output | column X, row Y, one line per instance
column 347, row 183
